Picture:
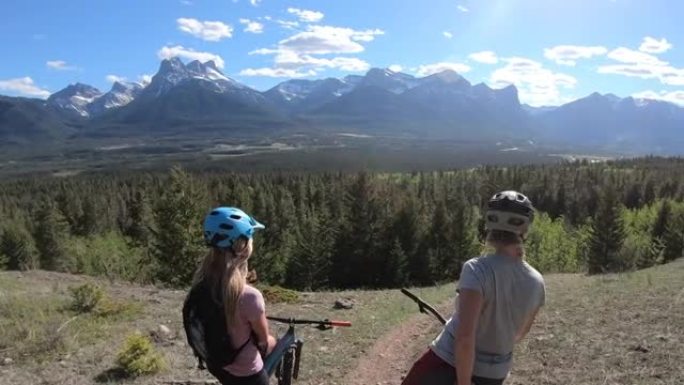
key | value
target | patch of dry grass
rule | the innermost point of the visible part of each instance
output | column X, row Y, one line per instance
column 625, row 329
column 615, row 329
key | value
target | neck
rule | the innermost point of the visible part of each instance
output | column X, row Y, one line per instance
column 517, row 254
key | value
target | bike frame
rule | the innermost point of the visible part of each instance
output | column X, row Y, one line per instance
column 289, row 342
column 286, row 342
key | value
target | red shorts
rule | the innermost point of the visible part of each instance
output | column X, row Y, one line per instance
column 432, row 370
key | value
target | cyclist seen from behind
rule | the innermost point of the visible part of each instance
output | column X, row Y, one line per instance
column 221, row 281
column 499, row 297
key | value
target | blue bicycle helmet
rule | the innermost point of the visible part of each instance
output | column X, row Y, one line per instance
column 223, row 225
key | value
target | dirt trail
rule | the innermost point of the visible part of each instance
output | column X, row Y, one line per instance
column 390, row 358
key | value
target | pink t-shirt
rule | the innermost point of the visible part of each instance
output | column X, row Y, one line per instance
column 250, row 309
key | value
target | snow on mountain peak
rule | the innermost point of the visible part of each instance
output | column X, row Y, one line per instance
column 75, row 98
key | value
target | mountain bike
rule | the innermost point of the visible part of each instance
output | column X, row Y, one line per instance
column 285, row 359
column 424, row 307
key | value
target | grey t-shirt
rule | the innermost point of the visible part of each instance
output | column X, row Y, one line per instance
column 511, row 290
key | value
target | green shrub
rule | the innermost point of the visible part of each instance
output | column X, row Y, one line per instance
column 86, row 297
column 110, row 255
column 277, row 294
column 109, row 307
column 138, row 356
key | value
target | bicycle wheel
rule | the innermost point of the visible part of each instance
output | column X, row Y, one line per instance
column 286, row 368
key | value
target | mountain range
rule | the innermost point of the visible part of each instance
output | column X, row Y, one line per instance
column 197, row 98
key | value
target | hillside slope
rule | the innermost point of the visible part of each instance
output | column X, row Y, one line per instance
column 614, row 329
column 617, row 329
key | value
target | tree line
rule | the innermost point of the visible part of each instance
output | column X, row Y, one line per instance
column 343, row 230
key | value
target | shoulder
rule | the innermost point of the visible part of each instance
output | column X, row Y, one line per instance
column 476, row 262
column 252, row 302
column 534, row 273
column 251, row 293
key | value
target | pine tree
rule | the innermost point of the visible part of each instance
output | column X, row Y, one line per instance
column 51, row 234
column 607, row 234
column 309, row 267
column 673, row 238
column 464, row 238
column 140, row 219
column 178, row 239
column 16, row 244
column 396, row 267
column 87, row 223
column 356, row 261
column 440, row 243
column 408, row 228
column 660, row 225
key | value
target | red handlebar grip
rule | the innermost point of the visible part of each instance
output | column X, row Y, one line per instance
column 341, row 323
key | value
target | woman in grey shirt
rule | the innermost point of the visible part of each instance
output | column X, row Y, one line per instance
column 500, row 295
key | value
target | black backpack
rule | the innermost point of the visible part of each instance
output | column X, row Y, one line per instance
column 205, row 328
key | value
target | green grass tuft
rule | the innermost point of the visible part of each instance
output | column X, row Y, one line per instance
column 138, row 356
column 277, row 294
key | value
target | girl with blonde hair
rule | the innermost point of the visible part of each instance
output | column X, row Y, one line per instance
column 221, row 281
column 499, row 296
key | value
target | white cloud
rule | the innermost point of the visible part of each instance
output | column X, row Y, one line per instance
column 23, row 86
column 145, row 79
column 59, row 65
column 288, row 24
column 676, row 97
column 429, row 69
column 252, row 26
column 395, row 68
column 485, row 57
column 276, row 72
column 306, row 15
column 653, row 45
column 462, row 8
column 325, row 40
column 569, row 54
column 114, row 78
column 254, row 2
column 190, row 54
column 626, row 55
column 447, row 34
column 537, row 86
column 642, row 65
column 293, row 60
column 300, row 54
column 205, row 30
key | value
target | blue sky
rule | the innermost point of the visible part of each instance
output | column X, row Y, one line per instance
column 554, row 51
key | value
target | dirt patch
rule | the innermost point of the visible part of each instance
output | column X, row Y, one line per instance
column 392, row 355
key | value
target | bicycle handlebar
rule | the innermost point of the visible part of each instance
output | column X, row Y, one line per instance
column 293, row 321
column 424, row 306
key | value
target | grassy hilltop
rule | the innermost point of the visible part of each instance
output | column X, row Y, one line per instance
column 613, row 329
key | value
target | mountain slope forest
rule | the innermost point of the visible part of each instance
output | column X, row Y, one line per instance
column 338, row 230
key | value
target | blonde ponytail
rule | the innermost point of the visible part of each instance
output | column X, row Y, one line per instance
column 225, row 270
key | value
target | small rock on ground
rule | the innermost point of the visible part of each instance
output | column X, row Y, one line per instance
column 344, row 304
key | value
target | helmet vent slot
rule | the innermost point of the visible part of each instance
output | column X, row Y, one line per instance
column 236, row 217
column 226, row 226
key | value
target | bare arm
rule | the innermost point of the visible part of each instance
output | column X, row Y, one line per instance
column 469, row 307
column 527, row 325
column 265, row 341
